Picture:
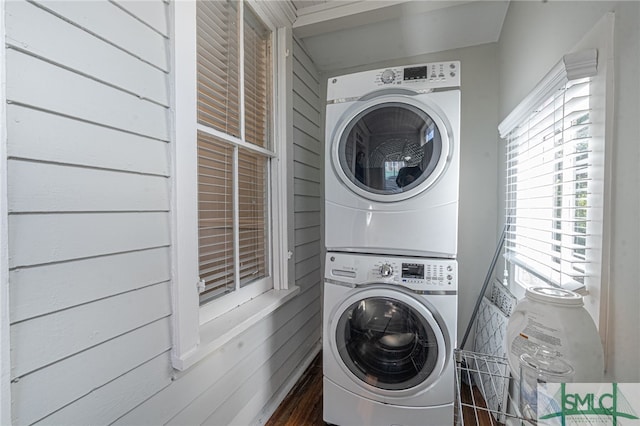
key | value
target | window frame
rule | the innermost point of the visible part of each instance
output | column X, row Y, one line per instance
column 198, row 330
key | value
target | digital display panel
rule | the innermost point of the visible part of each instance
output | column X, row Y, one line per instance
column 413, row 270
column 415, row 73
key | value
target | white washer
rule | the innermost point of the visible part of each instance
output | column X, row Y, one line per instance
column 392, row 161
column 389, row 330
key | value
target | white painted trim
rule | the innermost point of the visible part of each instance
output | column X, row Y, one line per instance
column 5, row 342
column 607, row 224
column 581, row 64
column 190, row 321
column 220, row 331
column 235, row 141
column 572, row 66
column 184, row 208
column 283, row 188
column 241, row 89
column 218, row 307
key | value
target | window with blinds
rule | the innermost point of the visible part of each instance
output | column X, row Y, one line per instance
column 551, row 167
column 234, row 74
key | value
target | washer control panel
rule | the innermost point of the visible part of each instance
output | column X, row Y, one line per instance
column 412, row 272
column 419, row 273
column 421, row 78
column 436, row 72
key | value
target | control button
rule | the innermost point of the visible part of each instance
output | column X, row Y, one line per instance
column 388, row 76
column 386, row 270
column 449, row 268
column 449, row 277
column 452, row 74
column 452, row 66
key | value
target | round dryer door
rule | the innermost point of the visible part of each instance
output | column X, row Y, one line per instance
column 391, row 148
column 389, row 340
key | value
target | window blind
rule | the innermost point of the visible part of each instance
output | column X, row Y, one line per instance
column 252, row 194
column 257, row 79
column 215, row 216
column 549, row 188
column 218, row 50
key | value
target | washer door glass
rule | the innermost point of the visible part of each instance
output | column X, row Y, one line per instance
column 392, row 148
column 387, row 343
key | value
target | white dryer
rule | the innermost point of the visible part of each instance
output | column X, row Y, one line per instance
column 389, row 330
column 392, row 161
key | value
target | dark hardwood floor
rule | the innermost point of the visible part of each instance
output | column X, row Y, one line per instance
column 303, row 405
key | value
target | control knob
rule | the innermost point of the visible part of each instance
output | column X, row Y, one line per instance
column 386, row 270
column 388, row 76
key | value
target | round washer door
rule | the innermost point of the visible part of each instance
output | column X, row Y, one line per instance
column 388, row 342
column 391, row 148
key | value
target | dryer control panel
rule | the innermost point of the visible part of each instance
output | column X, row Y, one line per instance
column 419, row 78
column 418, row 274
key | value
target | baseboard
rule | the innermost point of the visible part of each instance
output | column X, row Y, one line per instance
column 284, row 390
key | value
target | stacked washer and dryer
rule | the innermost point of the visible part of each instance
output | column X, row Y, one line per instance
column 390, row 292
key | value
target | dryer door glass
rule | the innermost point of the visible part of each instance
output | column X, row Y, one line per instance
column 387, row 343
column 391, row 148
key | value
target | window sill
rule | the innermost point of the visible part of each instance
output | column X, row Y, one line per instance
column 218, row 332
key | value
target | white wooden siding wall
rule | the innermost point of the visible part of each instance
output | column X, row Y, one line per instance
column 307, row 169
column 87, row 129
column 89, row 229
column 235, row 384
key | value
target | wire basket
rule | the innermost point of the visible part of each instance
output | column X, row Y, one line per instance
column 482, row 391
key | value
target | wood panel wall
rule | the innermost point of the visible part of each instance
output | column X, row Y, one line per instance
column 307, row 169
column 89, row 143
column 88, row 187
